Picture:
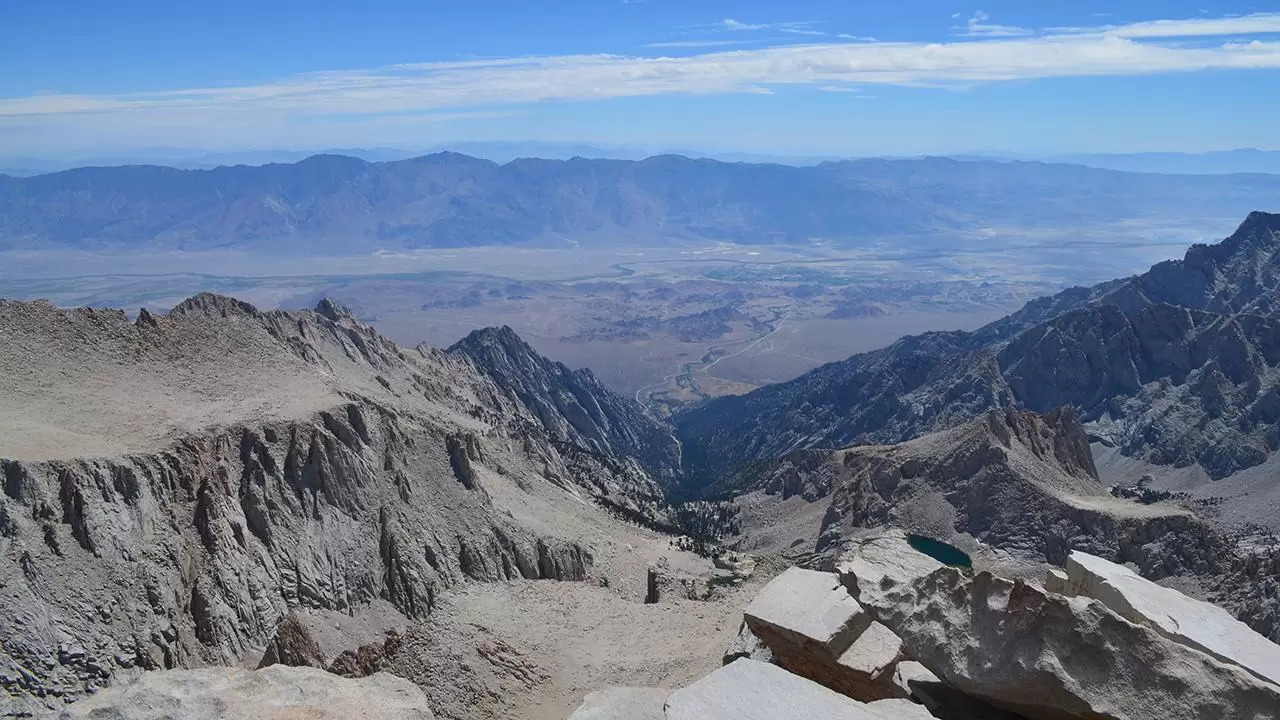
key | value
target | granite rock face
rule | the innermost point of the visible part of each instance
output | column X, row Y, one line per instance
column 623, row 703
column 1189, row 622
column 1041, row 654
column 331, row 468
column 1178, row 365
column 813, row 627
column 1024, row 483
column 572, row 405
column 750, row 690
column 807, row 607
column 273, row 693
column 896, row 634
column 748, row 645
column 293, row 645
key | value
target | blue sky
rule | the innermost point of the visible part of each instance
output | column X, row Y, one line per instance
column 848, row 78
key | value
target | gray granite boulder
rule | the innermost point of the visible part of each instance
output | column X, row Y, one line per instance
column 277, row 692
column 1184, row 620
column 623, row 703
column 1040, row 654
column 750, row 690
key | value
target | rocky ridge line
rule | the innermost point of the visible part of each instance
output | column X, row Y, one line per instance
column 1179, row 365
column 192, row 553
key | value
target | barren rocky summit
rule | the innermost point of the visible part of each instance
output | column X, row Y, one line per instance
column 174, row 485
column 196, row 501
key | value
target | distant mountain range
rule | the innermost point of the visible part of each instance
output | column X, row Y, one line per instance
column 1210, row 163
column 334, row 204
column 1245, row 160
column 1178, row 366
column 500, row 152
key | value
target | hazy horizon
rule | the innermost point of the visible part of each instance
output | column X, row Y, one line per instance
column 818, row 79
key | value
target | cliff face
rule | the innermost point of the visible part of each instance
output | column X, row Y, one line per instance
column 1179, row 365
column 342, row 469
column 572, row 404
column 1024, row 483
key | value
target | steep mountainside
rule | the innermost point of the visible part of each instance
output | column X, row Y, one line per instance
column 1178, row 365
column 337, row 204
column 572, row 405
column 173, row 486
column 1025, row 484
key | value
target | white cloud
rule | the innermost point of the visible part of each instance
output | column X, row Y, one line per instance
column 695, row 43
column 977, row 26
column 1255, row 24
column 449, row 91
column 802, row 31
column 731, row 24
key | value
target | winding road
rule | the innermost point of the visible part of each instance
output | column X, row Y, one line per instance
column 644, row 395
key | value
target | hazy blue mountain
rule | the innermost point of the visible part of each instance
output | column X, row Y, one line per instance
column 497, row 151
column 1220, row 162
column 503, row 152
column 187, row 158
column 340, row 204
column 21, row 171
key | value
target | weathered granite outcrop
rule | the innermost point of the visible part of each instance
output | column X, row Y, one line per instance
column 274, row 693
column 623, row 703
column 1178, row 365
column 1186, row 621
column 1041, row 654
column 748, row 645
column 572, row 405
column 194, row 555
column 326, row 468
column 808, row 609
column 293, row 645
column 1025, row 484
column 750, row 690
column 368, row 658
column 814, row 628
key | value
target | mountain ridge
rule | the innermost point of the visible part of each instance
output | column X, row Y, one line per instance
column 333, row 204
column 239, row 464
column 1173, row 383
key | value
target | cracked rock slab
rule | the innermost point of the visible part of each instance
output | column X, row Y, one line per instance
column 1046, row 656
column 808, row 607
column 750, row 690
column 1184, row 620
column 273, row 693
column 623, row 703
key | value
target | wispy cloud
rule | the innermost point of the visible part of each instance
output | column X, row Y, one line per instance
column 694, row 43
column 444, row 91
column 1255, row 24
column 802, row 31
column 978, row 26
column 804, row 28
column 795, row 27
column 731, row 24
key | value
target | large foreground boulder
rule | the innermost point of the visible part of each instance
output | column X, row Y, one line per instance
column 623, row 703
column 815, row 628
column 1184, row 620
column 1041, row 654
column 277, row 692
column 809, row 608
column 750, row 690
